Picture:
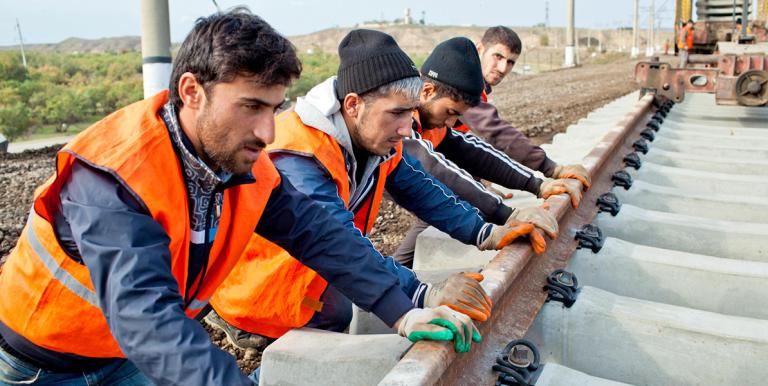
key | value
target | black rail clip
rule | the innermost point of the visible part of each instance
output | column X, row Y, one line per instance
column 590, row 236
column 648, row 134
column 518, row 364
column 641, row 145
column 658, row 117
column 653, row 125
column 663, row 111
column 623, row 179
column 563, row 287
column 633, row 160
column 608, row 202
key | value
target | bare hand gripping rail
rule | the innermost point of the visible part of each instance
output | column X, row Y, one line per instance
column 515, row 277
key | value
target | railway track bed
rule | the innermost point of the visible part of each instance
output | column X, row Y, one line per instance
column 671, row 290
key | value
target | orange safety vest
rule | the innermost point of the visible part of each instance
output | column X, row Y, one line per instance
column 464, row 128
column 688, row 43
column 49, row 298
column 269, row 292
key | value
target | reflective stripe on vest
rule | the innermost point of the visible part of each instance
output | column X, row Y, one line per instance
column 57, row 271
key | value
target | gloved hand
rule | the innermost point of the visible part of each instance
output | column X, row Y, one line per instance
column 578, row 172
column 538, row 216
column 571, row 186
column 461, row 292
column 503, row 235
column 439, row 323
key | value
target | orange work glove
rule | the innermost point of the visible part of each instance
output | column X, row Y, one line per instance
column 577, row 172
column 461, row 292
column 544, row 222
column 538, row 243
column 572, row 187
column 503, row 235
column 538, row 216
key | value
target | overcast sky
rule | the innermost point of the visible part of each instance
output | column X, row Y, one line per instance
column 50, row 21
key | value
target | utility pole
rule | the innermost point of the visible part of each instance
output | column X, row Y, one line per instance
column 546, row 14
column 635, row 33
column 570, row 37
column 155, row 46
column 650, row 49
column 21, row 44
column 744, row 18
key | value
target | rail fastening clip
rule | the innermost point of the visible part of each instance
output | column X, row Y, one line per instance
column 563, row 287
column 518, row 364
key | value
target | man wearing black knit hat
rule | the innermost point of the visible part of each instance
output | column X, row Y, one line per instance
column 342, row 146
column 453, row 83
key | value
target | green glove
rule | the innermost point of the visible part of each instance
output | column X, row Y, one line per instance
column 439, row 323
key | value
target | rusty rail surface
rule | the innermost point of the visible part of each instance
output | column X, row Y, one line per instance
column 515, row 278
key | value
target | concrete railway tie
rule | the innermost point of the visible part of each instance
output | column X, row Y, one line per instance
column 675, row 292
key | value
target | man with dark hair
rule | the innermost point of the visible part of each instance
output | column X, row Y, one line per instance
column 342, row 147
column 499, row 50
column 150, row 209
column 453, row 84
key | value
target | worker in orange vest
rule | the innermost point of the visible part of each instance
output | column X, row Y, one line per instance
column 342, row 145
column 685, row 42
column 151, row 208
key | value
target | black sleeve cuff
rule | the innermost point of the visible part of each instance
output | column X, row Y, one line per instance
column 548, row 167
column 501, row 215
column 534, row 185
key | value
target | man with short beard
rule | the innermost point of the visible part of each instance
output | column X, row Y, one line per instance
column 150, row 209
column 342, row 147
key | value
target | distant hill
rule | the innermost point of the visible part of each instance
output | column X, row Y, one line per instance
column 414, row 39
column 78, row 45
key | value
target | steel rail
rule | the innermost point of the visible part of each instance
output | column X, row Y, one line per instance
column 515, row 277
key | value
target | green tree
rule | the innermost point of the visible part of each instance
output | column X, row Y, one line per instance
column 14, row 120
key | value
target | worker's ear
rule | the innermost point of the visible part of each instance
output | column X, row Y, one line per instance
column 191, row 92
column 480, row 48
column 427, row 91
column 352, row 105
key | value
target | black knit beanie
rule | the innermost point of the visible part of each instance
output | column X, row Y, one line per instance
column 456, row 63
column 370, row 59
